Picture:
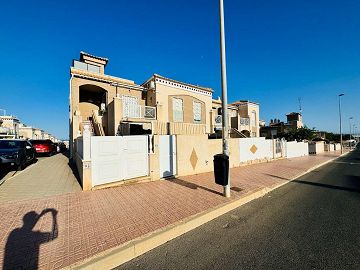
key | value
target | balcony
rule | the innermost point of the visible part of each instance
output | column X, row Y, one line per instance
column 138, row 112
column 5, row 130
column 87, row 67
column 245, row 122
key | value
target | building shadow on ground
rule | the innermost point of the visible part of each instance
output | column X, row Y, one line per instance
column 276, row 176
column 72, row 166
column 354, row 184
column 23, row 244
column 196, row 186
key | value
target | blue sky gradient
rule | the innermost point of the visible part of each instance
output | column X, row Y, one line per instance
column 277, row 51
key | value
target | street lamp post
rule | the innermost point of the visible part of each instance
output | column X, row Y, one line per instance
column 350, row 118
column 225, row 119
column 341, row 142
column 353, row 133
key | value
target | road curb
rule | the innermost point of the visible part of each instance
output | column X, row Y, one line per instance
column 119, row 255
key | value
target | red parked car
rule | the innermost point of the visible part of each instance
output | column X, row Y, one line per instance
column 43, row 146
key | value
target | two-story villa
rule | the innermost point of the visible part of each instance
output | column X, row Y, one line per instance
column 114, row 106
column 243, row 118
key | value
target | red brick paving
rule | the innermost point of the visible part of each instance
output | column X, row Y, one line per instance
column 91, row 222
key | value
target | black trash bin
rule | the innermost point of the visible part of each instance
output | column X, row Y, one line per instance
column 221, row 169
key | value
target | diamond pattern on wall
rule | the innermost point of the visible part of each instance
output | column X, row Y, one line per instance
column 253, row 149
column 193, row 158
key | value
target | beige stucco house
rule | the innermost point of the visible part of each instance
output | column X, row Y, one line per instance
column 106, row 103
column 114, row 106
column 247, row 120
column 9, row 127
column 182, row 108
column 26, row 132
column 32, row 133
column 177, row 116
column 243, row 118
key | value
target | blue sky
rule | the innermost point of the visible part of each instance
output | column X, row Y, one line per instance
column 277, row 51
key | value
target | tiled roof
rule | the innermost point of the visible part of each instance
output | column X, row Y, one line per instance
column 97, row 76
column 240, row 102
column 94, row 56
column 179, row 82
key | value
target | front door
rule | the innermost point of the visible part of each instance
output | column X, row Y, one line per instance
column 167, row 149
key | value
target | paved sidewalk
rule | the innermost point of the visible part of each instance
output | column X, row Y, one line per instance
column 49, row 176
column 91, row 222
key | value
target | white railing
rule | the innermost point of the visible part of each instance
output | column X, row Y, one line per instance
column 149, row 112
column 87, row 67
column 5, row 130
column 218, row 119
column 138, row 111
column 244, row 121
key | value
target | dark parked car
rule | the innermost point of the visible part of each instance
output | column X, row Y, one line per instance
column 44, row 147
column 62, row 147
column 17, row 153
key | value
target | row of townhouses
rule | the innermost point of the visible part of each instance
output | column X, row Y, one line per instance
column 12, row 128
column 160, row 106
column 121, row 130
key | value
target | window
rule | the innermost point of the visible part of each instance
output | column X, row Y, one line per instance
column 197, row 111
column 178, row 114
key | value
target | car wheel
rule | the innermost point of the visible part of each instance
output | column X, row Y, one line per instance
column 21, row 166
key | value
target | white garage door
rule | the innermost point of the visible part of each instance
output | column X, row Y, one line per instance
column 116, row 158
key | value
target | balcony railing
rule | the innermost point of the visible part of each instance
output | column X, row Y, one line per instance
column 87, row 67
column 149, row 112
column 244, row 121
column 138, row 111
column 4, row 130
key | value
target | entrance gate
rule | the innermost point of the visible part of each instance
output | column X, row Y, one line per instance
column 116, row 158
column 167, row 157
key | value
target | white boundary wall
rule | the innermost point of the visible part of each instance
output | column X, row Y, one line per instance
column 296, row 149
column 255, row 149
column 316, row 147
column 337, row 146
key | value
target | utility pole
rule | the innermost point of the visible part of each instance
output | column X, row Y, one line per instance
column 341, row 141
column 225, row 119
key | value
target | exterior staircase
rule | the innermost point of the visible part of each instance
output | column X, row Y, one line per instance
column 237, row 133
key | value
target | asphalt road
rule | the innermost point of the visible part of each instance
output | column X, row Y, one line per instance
column 310, row 223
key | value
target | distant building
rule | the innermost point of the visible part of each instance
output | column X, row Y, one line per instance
column 275, row 127
column 243, row 118
column 9, row 127
column 294, row 120
column 26, row 132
